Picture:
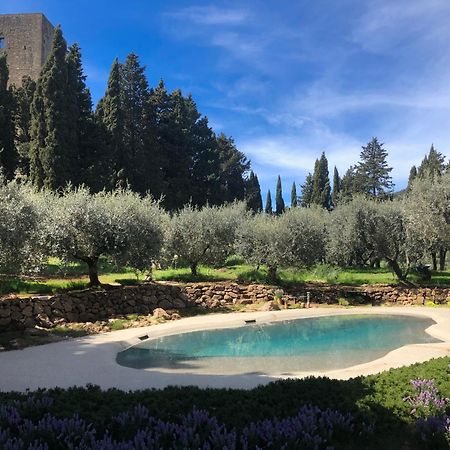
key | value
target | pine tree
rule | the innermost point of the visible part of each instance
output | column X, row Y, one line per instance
column 268, row 208
column 294, row 199
column 321, row 191
column 8, row 156
column 374, row 169
column 279, row 202
column 412, row 177
column 253, row 193
column 110, row 116
column 23, row 97
column 53, row 160
column 433, row 165
column 306, row 191
column 336, row 187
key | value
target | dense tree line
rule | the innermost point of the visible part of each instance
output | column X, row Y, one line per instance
column 129, row 229
column 148, row 139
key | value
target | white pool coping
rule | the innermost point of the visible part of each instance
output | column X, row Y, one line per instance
column 92, row 359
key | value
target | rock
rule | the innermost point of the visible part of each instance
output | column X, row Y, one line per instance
column 164, row 304
column 178, row 303
column 245, row 301
column 5, row 321
column 273, row 306
column 160, row 313
column 175, row 316
column 27, row 311
column 44, row 321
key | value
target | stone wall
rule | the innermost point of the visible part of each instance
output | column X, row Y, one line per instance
column 89, row 305
column 95, row 305
column 211, row 295
column 27, row 40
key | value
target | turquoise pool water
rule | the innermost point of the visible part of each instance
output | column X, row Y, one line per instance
column 320, row 343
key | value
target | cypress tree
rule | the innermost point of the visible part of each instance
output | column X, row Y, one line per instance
column 88, row 148
column 294, row 199
column 233, row 166
column 53, row 150
column 321, row 192
column 306, row 191
column 279, row 202
column 268, row 208
column 412, row 177
column 374, row 170
column 23, row 97
column 336, row 187
column 175, row 117
column 8, row 156
column 141, row 160
column 209, row 182
column 109, row 114
column 253, row 193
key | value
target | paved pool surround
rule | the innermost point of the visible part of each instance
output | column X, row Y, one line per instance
column 92, row 359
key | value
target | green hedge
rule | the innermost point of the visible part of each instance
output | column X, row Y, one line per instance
column 374, row 400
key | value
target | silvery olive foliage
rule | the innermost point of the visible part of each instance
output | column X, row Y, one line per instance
column 349, row 226
column 204, row 236
column 119, row 225
column 19, row 228
column 428, row 211
column 296, row 238
column 366, row 229
column 304, row 235
column 257, row 241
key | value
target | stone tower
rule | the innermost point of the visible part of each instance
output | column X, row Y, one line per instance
column 27, row 40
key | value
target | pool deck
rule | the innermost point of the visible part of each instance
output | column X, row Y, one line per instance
column 91, row 359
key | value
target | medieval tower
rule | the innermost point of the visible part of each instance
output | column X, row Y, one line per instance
column 27, row 40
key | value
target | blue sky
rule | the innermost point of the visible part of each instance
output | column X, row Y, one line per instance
column 287, row 80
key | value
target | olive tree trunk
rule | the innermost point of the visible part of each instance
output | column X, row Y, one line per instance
column 434, row 261
column 194, row 266
column 93, row 271
column 442, row 256
column 272, row 274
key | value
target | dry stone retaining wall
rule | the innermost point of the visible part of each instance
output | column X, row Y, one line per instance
column 89, row 305
column 94, row 305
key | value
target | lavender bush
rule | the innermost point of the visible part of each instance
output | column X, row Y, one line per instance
column 430, row 410
column 25, row 425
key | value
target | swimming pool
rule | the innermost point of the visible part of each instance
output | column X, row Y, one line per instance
column 318, row 343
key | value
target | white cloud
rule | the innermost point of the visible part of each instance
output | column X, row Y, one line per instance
column 386, row 24
column 210, row 15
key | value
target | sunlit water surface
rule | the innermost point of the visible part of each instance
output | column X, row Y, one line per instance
column 320, row 343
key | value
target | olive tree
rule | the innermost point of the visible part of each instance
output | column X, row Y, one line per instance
column 19, row 227
column 350, row 226
column 204, row 236
column 119, row 225
column 428, row 213
column 365, row 229
column 296, row 238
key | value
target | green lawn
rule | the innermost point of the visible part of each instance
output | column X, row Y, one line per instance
column 56, row 277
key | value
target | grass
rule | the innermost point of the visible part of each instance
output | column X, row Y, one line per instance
column 57, row 277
